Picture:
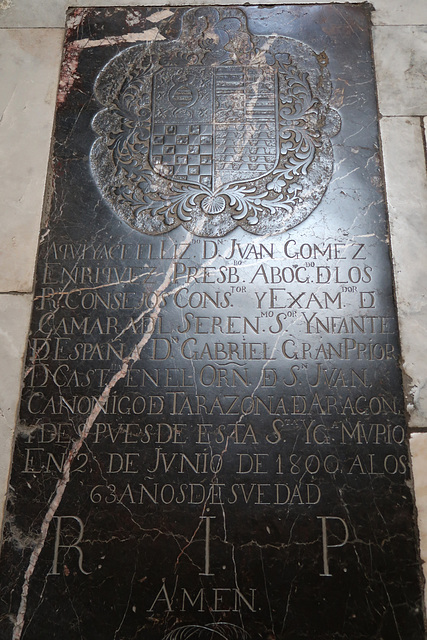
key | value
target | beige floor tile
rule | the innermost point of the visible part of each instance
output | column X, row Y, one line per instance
column 418, row 445
column 29, row 64
column 401, row 69
column 406, row 183
column 400, row 12
column 14, row 321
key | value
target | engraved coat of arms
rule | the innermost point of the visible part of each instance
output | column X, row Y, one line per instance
column 216, row 129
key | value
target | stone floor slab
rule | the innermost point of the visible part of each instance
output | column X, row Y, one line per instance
column 419, row 455
column 406, row 183
column 29, row 62
column 400, row 12
column 14, row 320
column 51, row 13
column 400, row 59
column 90, row 260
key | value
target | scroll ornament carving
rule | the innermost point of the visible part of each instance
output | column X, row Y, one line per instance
column 214, row 133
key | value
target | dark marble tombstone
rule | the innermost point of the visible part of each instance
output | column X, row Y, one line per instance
column 212, row 440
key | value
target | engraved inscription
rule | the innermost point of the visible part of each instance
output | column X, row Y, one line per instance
column 211, row 441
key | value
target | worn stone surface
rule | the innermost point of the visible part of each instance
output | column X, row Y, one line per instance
column 207, row 413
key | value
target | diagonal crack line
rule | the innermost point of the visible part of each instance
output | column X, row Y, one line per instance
column 65, row 478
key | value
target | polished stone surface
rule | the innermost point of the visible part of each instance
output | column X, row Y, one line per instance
column 297, row 442
column 30, row 65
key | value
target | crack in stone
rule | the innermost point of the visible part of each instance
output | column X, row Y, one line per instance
column 77, row 445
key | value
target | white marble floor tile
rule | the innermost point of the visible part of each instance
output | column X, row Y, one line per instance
column 29, row 64
column 400, row 12
column 418, row 445
column 51, row 13
column 14, row 321
column 406, row 183
column 401, row 69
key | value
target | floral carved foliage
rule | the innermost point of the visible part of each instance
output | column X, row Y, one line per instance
column 217, row 129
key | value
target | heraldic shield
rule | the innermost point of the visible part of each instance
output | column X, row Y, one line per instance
column 215, row 129
column 236, row 135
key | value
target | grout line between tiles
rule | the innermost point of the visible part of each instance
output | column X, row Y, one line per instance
column 401, row 115
column 16, row 293
column 32, row 28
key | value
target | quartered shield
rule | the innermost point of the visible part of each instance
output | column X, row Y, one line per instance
column 214, row 125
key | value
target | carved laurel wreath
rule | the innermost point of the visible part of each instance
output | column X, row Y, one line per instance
column 151, row 203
